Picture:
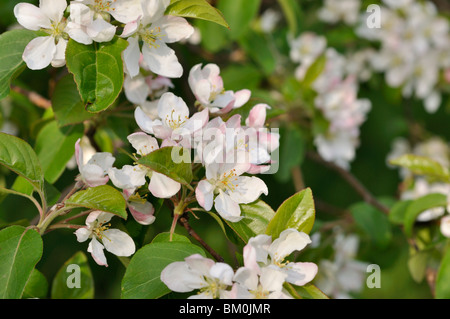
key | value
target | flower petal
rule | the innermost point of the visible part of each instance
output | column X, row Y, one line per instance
column 143, row 212
column 83, row 234
column 290, row 240
column 96, row 250
column 227, row 207
column 162, row 60
column 131, row 56
column 59, row 59
column 39, row 52
column 118, row 242
column 162, row 186
column 53, row 9
column 179, row 277
column 299, row 273
column 204, row 193
column 31, row 17
column 173, row 29
column 143, row 144
column 128, row 177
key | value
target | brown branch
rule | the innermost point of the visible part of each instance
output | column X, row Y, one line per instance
column 297, row 176
column 34, row 97
column 351, row 180
column 184, row 222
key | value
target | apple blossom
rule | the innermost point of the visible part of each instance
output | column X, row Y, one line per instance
column 155, row 30
column 207, row 86
column 49, row 17
column 115, row 241
column 198, row 273
column 93, row 172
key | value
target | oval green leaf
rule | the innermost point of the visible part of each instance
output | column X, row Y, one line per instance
column 20, row 251
column 197, row 9
column 98, row 71
column 18, row 156
column 12, row 45
column 296, row 212
column 82, row 289
column 420, row 165
column 37, row 286
column 104, row 198
column 142, row 278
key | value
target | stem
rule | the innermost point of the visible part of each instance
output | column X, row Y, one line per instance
column 53, row 213
column 183, row 221
column 298, row 179
column 58, row 226
column 34, row 97
column 351, row 180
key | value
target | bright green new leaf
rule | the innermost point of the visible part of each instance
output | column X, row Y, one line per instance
column 420, row 205
column 256, row 218
column 398, row 212
column 12, row 45
column 165, row 238
column 98, row 71
column 81, row 287
column 309, row 291
column 296, row 212
column 37, row 286
column 423, row 166
column 197, row 9
column 239, row 15
column 55, row 147
column 162, row 161
column 104, row 198
column 142, row 278
column 18, row 156
column 67, row 103
column 20, row 250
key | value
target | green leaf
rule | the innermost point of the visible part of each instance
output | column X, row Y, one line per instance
column 420, row 205
column 18, row 156
column 239, row 14
column 255, row 44
column 104, row 198
column 55, row 147
column 20, row 251
column 67, row 103
column 165, row 238
column 37, row 286
column 422, row 166
column 197, row 9
column 291, row 11
column 12, row 45
column 60, row 289
column 142, row 277
column 315, row 70
column 398, row 212
column 256, row 219
column 309, row 291
column 161, row 161
column 417, row 264
column 442, row 290
column 98, row 71
column 296, row 212
column 214, row 36
column 373, row 222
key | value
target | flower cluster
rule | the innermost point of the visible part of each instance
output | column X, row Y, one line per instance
column 415, row 42
column 337, row 90
column 91, row 21
column 263, row 275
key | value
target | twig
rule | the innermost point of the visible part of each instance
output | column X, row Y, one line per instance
column 297, row 176
column 183, row 221
column 34, row 97
column 351, row 180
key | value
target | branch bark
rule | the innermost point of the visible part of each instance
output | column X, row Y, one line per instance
column 34, row 97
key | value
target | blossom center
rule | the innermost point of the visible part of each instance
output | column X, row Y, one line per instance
column 99, row 229
column 213, row 288
column 103, row 6
column 173, row 121
column 260, row 293
column 151, row 36
column 227, row 181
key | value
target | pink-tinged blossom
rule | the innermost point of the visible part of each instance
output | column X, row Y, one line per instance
column 207, row 86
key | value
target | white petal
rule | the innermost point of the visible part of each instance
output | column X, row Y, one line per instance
column 136, row 89
column 153, row 10
column 93, row 175
column 247, row 278
column 172, row 108
column 143, row 144
column 227, row 208
column 144, row 122
column 83, row 234
column 101, row 31
column 131, row 56
column 290, row 240
column 39, row 52
column 118, row 242
column 300, row 274
column 78, row 33
column 129, row 177
column 197, row 121
column 162, row 186
column 204, row 194
column 126, row 11
column 96, row 250
column 261, row 244
column 248, row 190
column 173, row 28
column 53, row 9
column 241, row 97
column 162, row 60
column 223, row 272
column 179, row 277
column 103, row 159
column 445, row 226
column 272, row 279
column 59, row 60
column 257, row 116
column 31, row 17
